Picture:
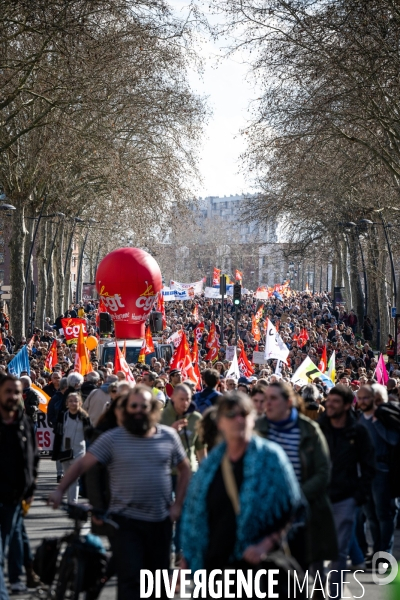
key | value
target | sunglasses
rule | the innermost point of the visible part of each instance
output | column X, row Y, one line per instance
column 232, row 414
column 136, row 405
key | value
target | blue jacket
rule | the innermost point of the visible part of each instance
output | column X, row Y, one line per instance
column 269, row 494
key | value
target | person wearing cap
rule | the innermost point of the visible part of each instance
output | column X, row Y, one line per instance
column 175, row 377
column 98, row 399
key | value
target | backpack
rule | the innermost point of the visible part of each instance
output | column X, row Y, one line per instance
column 204, row 401
column 45, row 561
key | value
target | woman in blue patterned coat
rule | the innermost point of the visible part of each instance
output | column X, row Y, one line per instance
column 242, row 496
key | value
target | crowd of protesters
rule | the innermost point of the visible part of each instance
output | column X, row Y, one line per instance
column 221, row 477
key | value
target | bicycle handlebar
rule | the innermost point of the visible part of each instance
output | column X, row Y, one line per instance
column 81, row 512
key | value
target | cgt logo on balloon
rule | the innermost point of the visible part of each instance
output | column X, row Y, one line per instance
column 128, row 281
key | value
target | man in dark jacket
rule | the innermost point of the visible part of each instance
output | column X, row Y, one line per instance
column 17, row 473
column 353, row 468
column 55, row 406
column 31, row 398
column 51, row 388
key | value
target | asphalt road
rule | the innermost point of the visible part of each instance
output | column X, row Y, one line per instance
column 42, row 522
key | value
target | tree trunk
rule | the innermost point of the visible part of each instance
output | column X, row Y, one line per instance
column 28, row 307
column 17, row 278
column 355, row 281
column 50, row 270
column 383, row 298
column 373, row 304
column 67, row 279
column 41, row 256
column 58, row 270
column 334, row 273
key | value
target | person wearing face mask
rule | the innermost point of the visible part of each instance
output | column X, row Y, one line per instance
column 69, row 441
column 139, row 457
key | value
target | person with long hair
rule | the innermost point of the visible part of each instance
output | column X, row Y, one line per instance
column 70, row 438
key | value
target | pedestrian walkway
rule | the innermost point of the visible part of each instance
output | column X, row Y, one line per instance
column 42, row 522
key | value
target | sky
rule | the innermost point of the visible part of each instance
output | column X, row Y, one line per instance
column 229, row 94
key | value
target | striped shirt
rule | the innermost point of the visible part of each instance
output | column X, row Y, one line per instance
column 140, row 470
column 287, row 435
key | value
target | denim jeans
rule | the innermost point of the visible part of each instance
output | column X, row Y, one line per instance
column 381, row 512
column 355, row 552
column 9, row 514
column 176, row 543
column 139, row 545
column 344, row 514
column 19, row 553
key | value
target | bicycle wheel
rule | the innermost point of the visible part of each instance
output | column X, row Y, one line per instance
column 70, row 578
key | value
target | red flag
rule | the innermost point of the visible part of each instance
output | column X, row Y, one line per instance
column 212, row 336
column 182, row 360
column 161, row 308
column 120, row 364
column 198, row 332
column 216, row 276
column 149, row 342
column 323, row 361
column 212, row 354
column 238, row 275
column 302, row 337
column 71, row 329
column 245, row 367
column 195, row 351
column 51, row 358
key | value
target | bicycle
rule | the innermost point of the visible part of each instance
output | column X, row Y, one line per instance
column 81, row 565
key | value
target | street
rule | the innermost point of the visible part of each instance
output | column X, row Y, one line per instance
column 44, row 522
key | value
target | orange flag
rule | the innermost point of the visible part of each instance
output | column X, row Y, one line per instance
column 216, row 276
column 51, row 358
column 82, row 363
column 161, row 309
column 238, row 275
column 142, row 353
column 149, row 342
column 195, row 312
column 255, row 330
column 44, row 398
column 124, row 349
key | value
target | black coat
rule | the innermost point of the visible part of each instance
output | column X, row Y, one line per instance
column 31, row 402
column 353, row 459
column 23, row 429
column 59, row 431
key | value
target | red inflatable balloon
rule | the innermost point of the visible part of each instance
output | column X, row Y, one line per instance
column 128, row 280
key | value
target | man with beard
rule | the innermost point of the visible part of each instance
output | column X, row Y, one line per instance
column 139, row 456
column 381, row 510
column 18, row 466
